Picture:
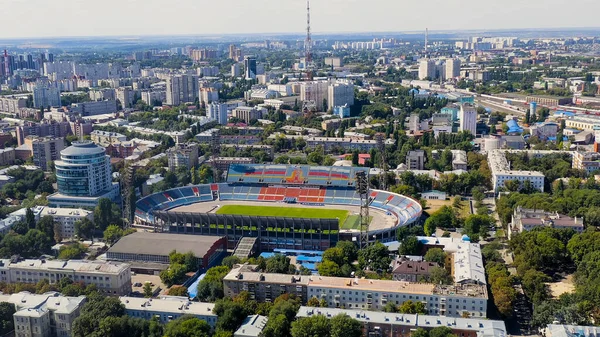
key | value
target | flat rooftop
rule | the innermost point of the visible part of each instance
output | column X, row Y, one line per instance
column 162, row 244
column 78, row 266
column 177, row 305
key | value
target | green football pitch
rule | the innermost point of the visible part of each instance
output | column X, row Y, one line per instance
column 346, row 222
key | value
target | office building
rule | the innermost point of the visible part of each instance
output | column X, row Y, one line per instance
column 468, row 118
column 182, row 89
column 247, row 114
column 452, row 68
column 144, row 247
column 44, row 315
column 340, row 94
column 342, row 111
column 66, row 218
column 218, row 112
column 183, row 154
column 83, row 176
column 355, row 293
column 527, row 219
column 44, row 149
column 381, row 324
column 426, row 69
column 415, row 160
column 95, row 108
column 111, row 278
column 250, row 67
column 168, row 308
column 45, row 96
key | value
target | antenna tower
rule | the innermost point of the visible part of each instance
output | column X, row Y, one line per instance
column 309, row 103
column 383, row 164
column 362, row 188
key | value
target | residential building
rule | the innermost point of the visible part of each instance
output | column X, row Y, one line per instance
column 468, row 118
column 45, row 95
column 340, row 94
column 331, row 124
column 218, row 112
column 111, row 278
column 44, row 315
column 501, row 172
column 411, row 271
column 335, row 62
column 168, row 308
column 7, row 156
column 330, row 143
column 252, row 326
column 426, row 69
column 586, row 161
column 147, row 186
column 53, row 128
column 106, row 137
column 208, row 71
column 452, row 68
column 459, row 160
column 235, row 53
column 560, row 330
column 44, row 149
column 83, row 176
column 12, row 105
column 125, row 96
column 182, row 89
column 66, row 218
column 527, row 219
column 144, row 247
column 183, row 154
column 209, row 95
column 315, row 92
column 204, row 54
column 236, row 70
column 382, row 324
column 247, row 114
column 414, row 123
column 250, row 67
column 415, row 160
column 95, row 108
column 340, row 292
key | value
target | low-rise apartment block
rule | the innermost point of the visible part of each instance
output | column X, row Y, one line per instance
column 168, row 308
column 501, row 172
column 382, row 324
column 111, row 278
column 338, row 292
column 67, row 217
column 524, row 219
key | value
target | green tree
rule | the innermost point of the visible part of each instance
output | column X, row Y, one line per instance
column 46, row 226
column 410, row 307
column 106, row 213
column 343, row 325
column 313, row 302
column 84, row 228
column 375, row 257
column 420, row 332
column 211, row 287
column 410, row 246
column 187, row 326
column 178, row 291
column 7, row 310
column 279, row 264
column 93, row 312
column 349, row 249
column 230, row 261
column 112, row 234
column 441, row 331
column 317, row 325
column 439, row 275
column 29, row 218
column 335, row 255
column 436, row 255
column 329, row 268
column 148, row 290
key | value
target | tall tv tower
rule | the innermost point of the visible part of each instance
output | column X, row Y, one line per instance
column 308, row 45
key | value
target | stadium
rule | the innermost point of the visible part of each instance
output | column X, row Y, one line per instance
column 282, row 206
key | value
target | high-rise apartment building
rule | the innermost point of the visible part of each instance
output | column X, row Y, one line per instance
column 235, row 53
column 236, row 70
column 183, row 154
column 340, row 94
column 452, row 68
column 209, row 95
column 218, row 112
column 468, row 118
column 45, row 95
column 426, row 69
column 250, row 65
column 182, row 89
column 44, row 149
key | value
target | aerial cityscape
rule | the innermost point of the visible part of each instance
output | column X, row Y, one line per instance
column 299, row 169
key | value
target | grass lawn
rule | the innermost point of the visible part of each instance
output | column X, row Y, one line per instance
column 289, row 212
column 353, row 222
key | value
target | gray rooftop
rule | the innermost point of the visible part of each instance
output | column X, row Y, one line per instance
column 82, row 148
column 162, row 244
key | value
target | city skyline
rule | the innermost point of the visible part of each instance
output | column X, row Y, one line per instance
column 136, row 18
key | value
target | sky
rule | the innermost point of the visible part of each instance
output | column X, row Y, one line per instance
column 60, row 18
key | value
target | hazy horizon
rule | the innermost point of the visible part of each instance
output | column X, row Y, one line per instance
column 82, row 18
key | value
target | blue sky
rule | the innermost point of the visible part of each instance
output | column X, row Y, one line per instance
column 48, row 18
